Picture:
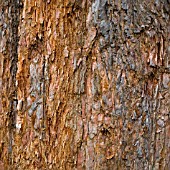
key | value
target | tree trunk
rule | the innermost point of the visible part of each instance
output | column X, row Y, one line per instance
column 84, row 84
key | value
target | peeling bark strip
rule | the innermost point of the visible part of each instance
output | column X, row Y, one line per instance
column 85, row 84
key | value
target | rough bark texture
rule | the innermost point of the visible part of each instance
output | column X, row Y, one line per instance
column 84, row 84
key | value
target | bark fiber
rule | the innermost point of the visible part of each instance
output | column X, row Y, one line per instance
column 85, row 84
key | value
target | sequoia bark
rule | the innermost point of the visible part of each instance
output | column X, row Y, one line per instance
column 84, row 84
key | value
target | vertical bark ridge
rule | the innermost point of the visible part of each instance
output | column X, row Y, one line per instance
column 10, row 18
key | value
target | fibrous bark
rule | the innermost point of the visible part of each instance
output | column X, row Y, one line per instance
column 84, row 84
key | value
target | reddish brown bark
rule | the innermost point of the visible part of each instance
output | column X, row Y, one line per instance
column 84, row 84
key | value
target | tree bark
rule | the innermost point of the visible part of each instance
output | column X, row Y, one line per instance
column 84, row 84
